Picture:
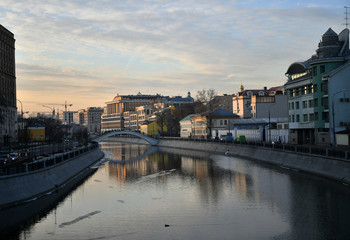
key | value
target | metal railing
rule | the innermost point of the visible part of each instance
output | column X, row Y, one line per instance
column 45, row 162
column 306, row 149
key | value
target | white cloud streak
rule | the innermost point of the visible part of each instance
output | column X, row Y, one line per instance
column 99, row 48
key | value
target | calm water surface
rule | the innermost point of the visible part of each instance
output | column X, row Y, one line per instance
column 142, row 192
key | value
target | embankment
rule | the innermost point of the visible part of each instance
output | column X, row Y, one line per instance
column 328, row 167
column 21, row 187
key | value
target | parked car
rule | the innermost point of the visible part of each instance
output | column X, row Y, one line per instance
column 226, row 138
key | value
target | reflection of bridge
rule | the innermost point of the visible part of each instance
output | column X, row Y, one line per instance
column 150, row 140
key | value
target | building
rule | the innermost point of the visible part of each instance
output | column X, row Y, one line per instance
column 178, row 101
column 199, row 126
column 67, row 117
column 186, row 126
column 8, row 108
column 131, row 111
column 36, row 132
column 221, row 122
column 113, row 115
column 317, row 90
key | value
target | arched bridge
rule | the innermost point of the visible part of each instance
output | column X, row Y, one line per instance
column 150, row 140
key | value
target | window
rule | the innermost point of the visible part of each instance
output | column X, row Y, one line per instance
column 316, row 116
column 311, row 103
column 305, row 104
column 311, row 117
column 221, row 122
column 292, row 118
column 314, row 71
column 297, row 118
column 325, row 102
column 296, row 105
column 292, row 105
column 305, row 117
column 309, row 89
column 316, row 102
column 325, row 116
column 324, row 87
column 322, row 68
column 225, row 122
column 315, row 88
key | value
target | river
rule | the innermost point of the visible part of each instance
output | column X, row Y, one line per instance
column 143, row 192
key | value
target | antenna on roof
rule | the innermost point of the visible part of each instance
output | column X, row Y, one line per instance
column 346, row 17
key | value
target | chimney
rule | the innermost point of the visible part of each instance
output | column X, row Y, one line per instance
column 265, row 88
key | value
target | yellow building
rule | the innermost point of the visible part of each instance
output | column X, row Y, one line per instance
column 152, row 128
column 36, row 132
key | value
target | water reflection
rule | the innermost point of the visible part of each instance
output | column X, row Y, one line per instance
column 198, row 195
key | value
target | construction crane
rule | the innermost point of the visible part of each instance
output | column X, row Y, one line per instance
column 65, row 105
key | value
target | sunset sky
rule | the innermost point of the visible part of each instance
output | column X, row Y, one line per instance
column 86, row 52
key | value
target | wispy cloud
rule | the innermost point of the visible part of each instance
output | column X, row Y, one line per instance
column 92, row 50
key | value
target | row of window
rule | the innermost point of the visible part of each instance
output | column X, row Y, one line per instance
column 308, row 104
column 308, row 117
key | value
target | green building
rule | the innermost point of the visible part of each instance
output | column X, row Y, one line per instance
column 308, row 88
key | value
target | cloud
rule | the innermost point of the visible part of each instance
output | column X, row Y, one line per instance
column 80, row 49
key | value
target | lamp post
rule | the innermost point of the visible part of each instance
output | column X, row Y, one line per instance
column 270, row 121
column 333, row 117
column 22, row 131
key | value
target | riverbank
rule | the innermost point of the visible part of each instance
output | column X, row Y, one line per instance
column 328, row 167
column 65, row 168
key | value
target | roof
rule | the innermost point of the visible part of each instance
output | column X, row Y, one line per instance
column 188, row 117
column 223, row 113
column 36, row 125
column 330, row 32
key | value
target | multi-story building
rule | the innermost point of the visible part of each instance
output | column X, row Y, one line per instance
column 8, row 108
column 67, row 117
column 113, row 116
column 316, row 88
column 257, row 103
column 90, row 118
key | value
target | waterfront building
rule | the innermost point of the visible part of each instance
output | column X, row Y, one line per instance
column 199, row 126
column 8, row 107
column 186, row 126
column 317, row 90
column 221, row 122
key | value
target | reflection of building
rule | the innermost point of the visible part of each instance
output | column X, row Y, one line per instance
column 8, row 110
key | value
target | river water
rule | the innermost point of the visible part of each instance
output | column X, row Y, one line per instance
column 143, row 192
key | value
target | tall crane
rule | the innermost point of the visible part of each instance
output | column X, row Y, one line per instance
column 66, row 105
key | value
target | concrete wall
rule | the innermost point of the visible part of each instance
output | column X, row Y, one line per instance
column 326, row 167
column 21, row 187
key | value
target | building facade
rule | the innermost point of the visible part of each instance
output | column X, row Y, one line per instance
column 8, row 108
column 315, row 86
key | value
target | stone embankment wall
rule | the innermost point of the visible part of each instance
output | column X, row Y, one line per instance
column 25, row 186
column 333, row 168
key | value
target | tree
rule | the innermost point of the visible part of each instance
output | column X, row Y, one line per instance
column 207, row 98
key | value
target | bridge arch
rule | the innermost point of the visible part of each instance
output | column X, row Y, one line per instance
column 150, row 140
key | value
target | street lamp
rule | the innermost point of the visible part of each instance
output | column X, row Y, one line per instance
column 333, row 117
column 270, row 121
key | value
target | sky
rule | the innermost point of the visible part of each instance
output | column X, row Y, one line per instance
column 86, row 52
